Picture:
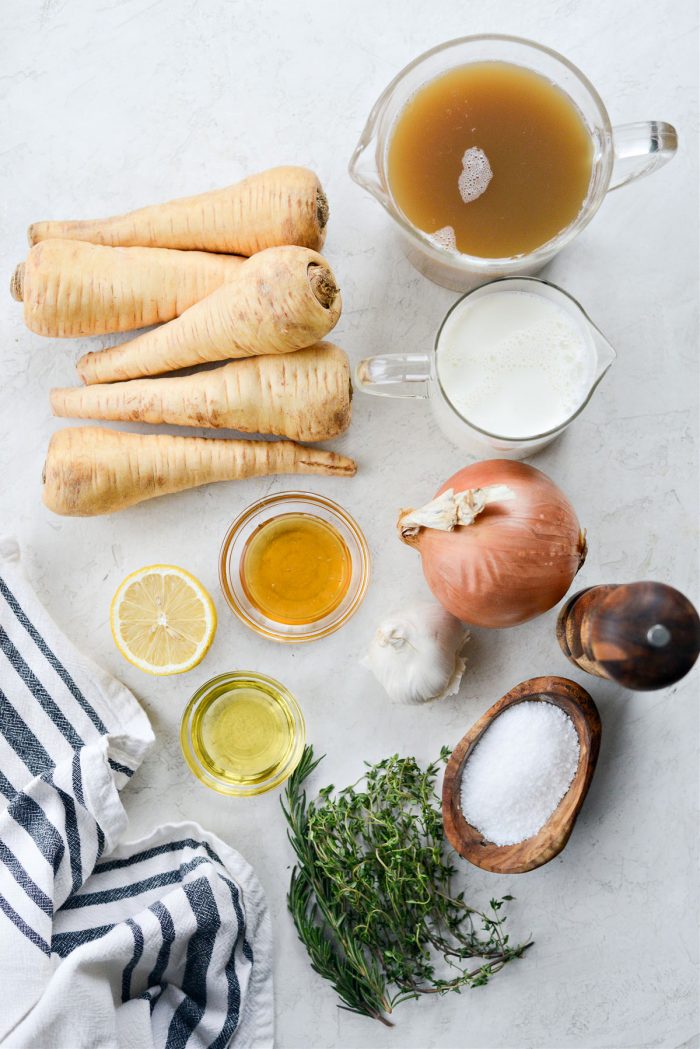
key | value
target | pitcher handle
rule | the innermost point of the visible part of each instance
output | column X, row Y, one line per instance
column 395, row 375
column 640, row 149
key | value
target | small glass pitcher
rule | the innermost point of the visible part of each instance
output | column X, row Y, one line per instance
column 619, row 155
column 416, row 375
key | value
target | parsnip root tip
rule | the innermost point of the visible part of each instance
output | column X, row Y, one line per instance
column 84, row 367
column 323, row 284
column 17, row 283
column 339, row 466
column 322, row 209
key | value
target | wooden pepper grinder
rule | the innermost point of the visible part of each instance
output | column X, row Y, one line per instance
column 642, row 635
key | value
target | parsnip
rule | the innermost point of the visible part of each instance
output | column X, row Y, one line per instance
column 70, row 288
column 283, row 299
column 91, row 471
column 304, row 395
column 284, row 205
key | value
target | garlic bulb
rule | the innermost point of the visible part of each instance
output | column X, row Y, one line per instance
column 415, row 653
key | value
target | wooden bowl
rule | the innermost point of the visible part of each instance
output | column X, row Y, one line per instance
column 553, row 836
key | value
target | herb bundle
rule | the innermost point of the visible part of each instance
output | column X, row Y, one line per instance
column 371, row 894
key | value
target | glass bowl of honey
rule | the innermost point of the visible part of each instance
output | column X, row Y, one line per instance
column 242, row 733
column 294, row 566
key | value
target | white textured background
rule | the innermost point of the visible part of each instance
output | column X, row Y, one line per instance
column 112, row 105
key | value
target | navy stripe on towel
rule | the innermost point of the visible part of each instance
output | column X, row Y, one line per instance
column 167, row 928
column 21, row 738
column 25, row 811
column 16, row 869
column 116, row 766
column 78, row 791
column 138, row 951
column 6, row 787
column 174, row 846
column 234, row 990
column 123, row 892
column 157, row 850
column 72, row 835
column 199, row 951
column 51, row 658
column 77, row 777
column 65, row 942
column 35, row 686
column 17, row 920
column 153, row 994
column 235, row 897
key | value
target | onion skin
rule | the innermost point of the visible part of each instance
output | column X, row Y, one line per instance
column 516, row 560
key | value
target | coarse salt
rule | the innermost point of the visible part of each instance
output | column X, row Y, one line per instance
column 519, row 771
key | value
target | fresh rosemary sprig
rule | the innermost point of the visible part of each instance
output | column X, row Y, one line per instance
column 371, row 894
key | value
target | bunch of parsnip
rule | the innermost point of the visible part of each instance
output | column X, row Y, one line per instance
column 232, row 275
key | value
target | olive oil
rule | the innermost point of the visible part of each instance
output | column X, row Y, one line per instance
column 296, row 568
column 492, row 158
column 242, row 733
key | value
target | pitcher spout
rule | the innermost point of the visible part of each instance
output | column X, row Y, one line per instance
column 605, row 355
column 363, row 168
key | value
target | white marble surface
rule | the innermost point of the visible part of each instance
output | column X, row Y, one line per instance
column 111, row 105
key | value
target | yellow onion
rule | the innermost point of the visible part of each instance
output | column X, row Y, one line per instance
column 500, row 543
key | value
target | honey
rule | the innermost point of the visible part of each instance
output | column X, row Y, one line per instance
column 296, row 568
column 491, row 158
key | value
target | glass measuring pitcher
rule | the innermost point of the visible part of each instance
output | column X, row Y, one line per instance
column 620, row 154
column 417, row 375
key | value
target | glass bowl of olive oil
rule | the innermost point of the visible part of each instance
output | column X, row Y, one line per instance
column 294, row 566
column 242, row 733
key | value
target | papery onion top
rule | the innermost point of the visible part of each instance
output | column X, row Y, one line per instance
column 500, row 543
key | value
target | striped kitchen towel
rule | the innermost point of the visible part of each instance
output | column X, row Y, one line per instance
column 160, row 942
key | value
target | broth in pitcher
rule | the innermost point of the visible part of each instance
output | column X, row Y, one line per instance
column 491, row 159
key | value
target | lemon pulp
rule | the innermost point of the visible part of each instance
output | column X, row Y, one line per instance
column 163, row 620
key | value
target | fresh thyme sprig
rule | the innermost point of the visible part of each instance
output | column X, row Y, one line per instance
column 371, row 894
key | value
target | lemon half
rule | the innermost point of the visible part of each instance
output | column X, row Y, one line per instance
column 163, row 620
